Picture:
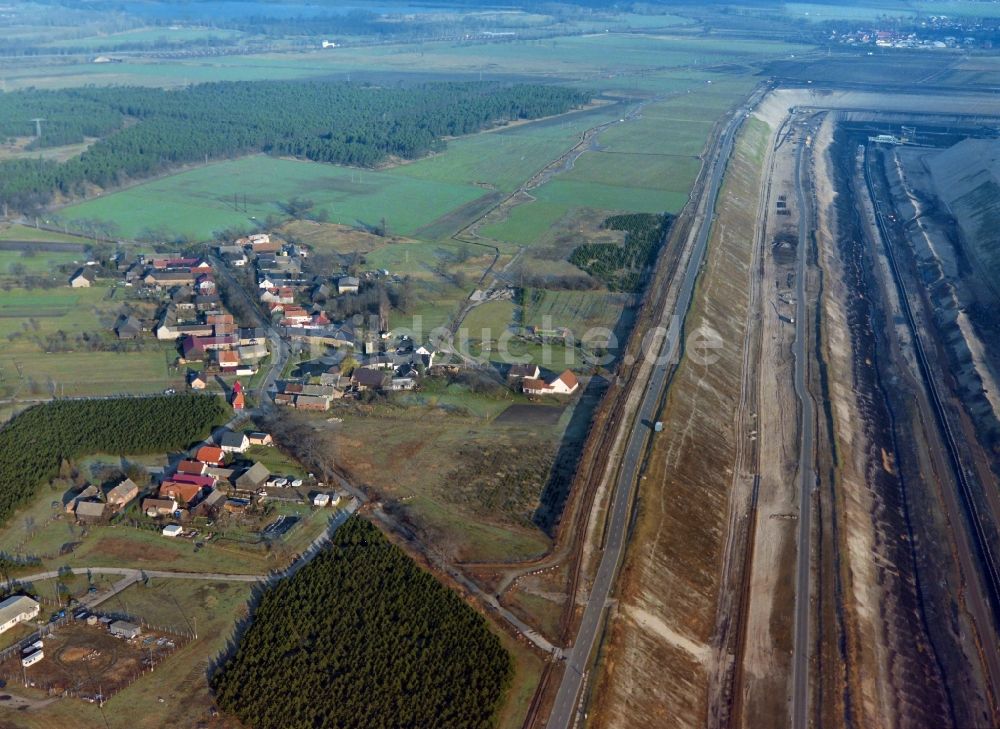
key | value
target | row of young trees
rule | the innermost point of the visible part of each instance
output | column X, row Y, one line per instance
column 35, row 444
column 352, row 124
column 362, row 638
column 621, row 267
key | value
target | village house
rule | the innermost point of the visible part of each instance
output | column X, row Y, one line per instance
column 90, row 492
column 365, row 378
column 122, row 494
column 564, row 384
column 192, row 468
column 83, row 278
column 212, row 455
column 233, row 442
column 238, row 399
column 184, row 493
column 197, row 381
column 158, row 507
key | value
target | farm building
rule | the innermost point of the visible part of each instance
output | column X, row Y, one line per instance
column 90, row 511
column 263, row 439
column 85, row 494
column 348, row 285
column 17, row 609
column 125, row 629
column 232, row 442
column 128, row 327
column 212, row 502
column 253, row 478
column 172, row 530
column 122, row 493
column 522, row 371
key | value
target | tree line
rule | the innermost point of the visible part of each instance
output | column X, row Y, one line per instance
column 362, row 638
column 343, row 123
column 35, row 444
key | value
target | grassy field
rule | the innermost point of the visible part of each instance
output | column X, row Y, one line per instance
column 595, row 56
column 200, row 202
column 27, row 317
column 28, row 233
column 575, row 310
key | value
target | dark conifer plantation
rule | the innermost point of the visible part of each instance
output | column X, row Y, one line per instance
column 35, row 443
column 321, row 121
column 362, row 638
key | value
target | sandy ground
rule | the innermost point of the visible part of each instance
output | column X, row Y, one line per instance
column 768, row 634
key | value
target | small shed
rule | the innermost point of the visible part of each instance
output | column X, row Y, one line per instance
column 125, row 629
column 321, row 500
column 172, row 530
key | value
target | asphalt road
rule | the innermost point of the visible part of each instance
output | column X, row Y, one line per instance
column 577, row 658
column 276, row 345
column 807, row 473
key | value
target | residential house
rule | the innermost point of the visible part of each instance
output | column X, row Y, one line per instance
column 90, row 511
column 348, row 285
column 252, row 336
column 233, row 442
column 83, row 278
column 192, row 468
column 365, row 378
column 128, row 327
column 564, row 384
column 196, row 347
column 238, row 400
column 212, row 455
column 184, row 493
column 253, row 478
column 123, row 493
column 227, row 359
column 158, row 507
column 197, row 381
column 204, row 481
